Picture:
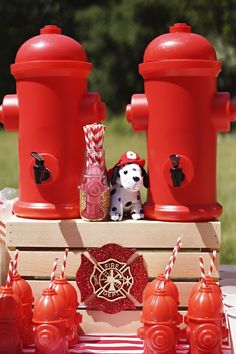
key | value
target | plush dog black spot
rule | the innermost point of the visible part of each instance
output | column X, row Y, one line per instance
column 113, row 191
column 128, row 204
column 114, row 209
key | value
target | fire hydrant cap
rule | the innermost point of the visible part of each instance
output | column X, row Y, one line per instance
column 51, row 45
column 22, row 289
column 205, row 303
column 10, row 304
column 67, row 291
column 179, row 44
column 159, row 307
column 50, row 308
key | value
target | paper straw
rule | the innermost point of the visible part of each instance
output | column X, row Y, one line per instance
column 9, row 274
column 16, row 255
column 94, row 138
column 213, row 257
column 171, row 262
column 64, row 263
column 53, row 273
column 172, row 259
column 202, row 270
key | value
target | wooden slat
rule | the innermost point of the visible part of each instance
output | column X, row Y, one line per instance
column 81, row 234
column 125, row 322
column 97, row 322
column 38, row 263
column 184, row 289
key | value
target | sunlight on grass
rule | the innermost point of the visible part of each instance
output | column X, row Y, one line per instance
column 120, row 138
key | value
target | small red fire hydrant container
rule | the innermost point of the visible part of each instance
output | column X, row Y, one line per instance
column 68, row 292
column 49, row 110
column 181, row 112
column 21, row 288
column 160, row 319
column 11, row 314
column 204, row 320
column 50, row 319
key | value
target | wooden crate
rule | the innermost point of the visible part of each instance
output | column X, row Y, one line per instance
column 40, row 241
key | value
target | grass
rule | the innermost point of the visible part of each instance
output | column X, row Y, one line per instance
column 120, row 138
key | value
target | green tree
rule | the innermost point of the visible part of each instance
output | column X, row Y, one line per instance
column 115, row 34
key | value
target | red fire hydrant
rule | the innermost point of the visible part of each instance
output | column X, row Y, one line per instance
column 181, row 112
column 50, row 319
column 21, row 288
column 49, row 110
column 10, row 322
column 68, row 292
column 204, row 319
column 160, row 318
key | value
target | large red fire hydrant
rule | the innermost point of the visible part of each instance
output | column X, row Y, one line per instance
column 49, row 110
column 182, row 113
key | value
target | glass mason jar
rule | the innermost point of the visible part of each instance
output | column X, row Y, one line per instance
column 94, row 187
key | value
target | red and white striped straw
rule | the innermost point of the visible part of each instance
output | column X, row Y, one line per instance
column 171, row 262
column 63, row 267
column 173, row 257
column 213, row 257
column 9, row 274
column 16, row 255
column 202, row 270
column 94, row 138
column 53, row 273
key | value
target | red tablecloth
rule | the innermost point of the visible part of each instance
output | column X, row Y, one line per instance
column 117, row 345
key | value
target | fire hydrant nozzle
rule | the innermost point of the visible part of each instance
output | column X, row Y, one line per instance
column 137, row 112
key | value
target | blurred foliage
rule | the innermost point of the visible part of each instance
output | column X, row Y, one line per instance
column 115, row 34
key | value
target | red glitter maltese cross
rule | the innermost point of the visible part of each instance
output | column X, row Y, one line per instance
column 111, row 278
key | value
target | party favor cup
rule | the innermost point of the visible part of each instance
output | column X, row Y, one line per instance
column 229, row 301
column 228, row 290
column 231, row 315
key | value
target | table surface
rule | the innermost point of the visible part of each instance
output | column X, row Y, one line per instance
column 119, row 345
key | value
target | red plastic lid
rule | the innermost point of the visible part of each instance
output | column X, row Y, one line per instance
column 51, row 45
column 205, row 303
column 170, row 288
column 22, row 289
column 10, row 304
column 159, row 307
column 67, row 291
column 50, row 307
column 179, row 43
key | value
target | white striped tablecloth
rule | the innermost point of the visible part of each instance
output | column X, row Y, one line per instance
column 117, row 345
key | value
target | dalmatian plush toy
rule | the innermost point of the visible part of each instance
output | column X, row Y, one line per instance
column 127, row 177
